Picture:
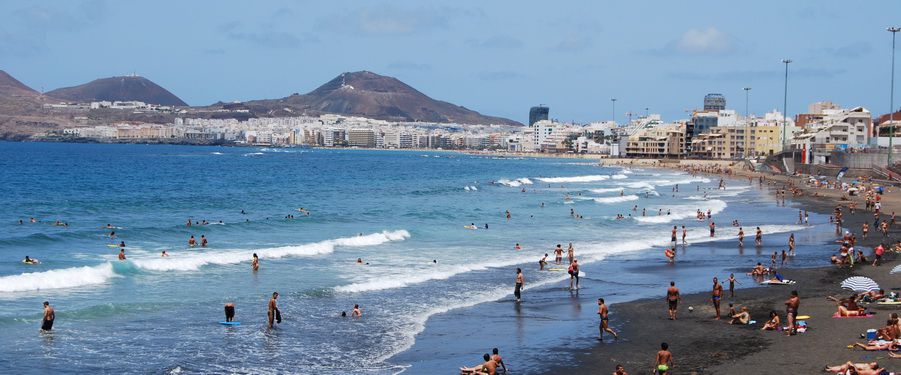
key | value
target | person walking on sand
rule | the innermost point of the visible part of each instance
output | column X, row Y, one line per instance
column 517, row 289
column 273, row 314
column 791, row 311
column 664, row 361
column 49, row 317
column 672, row 299
column 716, row 296
column 605, row 321
column 878, row 252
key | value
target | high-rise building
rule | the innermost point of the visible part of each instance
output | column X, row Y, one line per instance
column 537, row 114
column 361, row 138
column 714, row 102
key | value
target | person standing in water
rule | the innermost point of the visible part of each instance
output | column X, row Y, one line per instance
column 571, row 252
column 791, row 245
column 273, row 314
column 517, row 289
column 712, row 229
column 605, row 321
column 229, row 312
column 558, row 254
column 192, row 242
column 356, row 313
column 542, row 262
column 122, row 254
column 758, row 238
column 741, row 237
column 203, row 241
column 49, row 317
column 684, row 232
column 716, row 296
column 673, row 236
column 255, row 263
column 574, row 274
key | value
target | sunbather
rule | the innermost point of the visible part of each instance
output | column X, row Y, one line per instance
column 871, row 368
column 878, row 345
column 742, row 317
column 773, row 323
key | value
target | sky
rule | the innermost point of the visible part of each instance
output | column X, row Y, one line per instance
column 497, row 57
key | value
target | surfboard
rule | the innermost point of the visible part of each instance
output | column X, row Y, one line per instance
column 230, row 323
column 802, row 317
column 470, row 227
column 889, row 303
column 112, row 245
column 556, row 269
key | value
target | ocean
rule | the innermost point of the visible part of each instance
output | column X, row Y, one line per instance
column 434, row 295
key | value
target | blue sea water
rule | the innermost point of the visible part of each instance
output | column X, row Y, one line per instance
column 429, row 287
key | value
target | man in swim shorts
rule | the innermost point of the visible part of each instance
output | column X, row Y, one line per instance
column 672, row 299
column 791, row 311
column 664, row 361
column 716, row 296
column 673, row 237
column 605, row 321
column 558, row 254
column 229, row 312
column 49, row 317
column 542, row 262
column 574, row 274
column 517, row 289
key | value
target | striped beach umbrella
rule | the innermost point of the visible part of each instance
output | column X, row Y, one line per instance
column 897, row 269
column 860, row 284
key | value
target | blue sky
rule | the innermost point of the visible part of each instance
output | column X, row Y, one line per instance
column 497, row 57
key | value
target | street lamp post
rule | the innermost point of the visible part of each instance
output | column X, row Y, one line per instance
column 891, row 108
column 785, row 104
column 747, row 120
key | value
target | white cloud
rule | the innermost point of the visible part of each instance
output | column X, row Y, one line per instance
column 709, row 41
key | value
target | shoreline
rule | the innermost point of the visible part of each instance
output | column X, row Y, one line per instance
column 702, row 345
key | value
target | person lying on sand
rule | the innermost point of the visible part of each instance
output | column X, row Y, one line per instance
column 773, row 323
column 877, row 345
column 489, row 367
column 871, row 368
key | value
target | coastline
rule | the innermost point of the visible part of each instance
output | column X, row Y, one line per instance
column 702, row 345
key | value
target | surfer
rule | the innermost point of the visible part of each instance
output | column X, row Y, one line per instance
column 542, row 262
column 192, row 242
column 49, row 317
column 121, row 254
column 356, row 313
column 273, row 313
column 229, row 312
column 255, row 263
column 30, row 260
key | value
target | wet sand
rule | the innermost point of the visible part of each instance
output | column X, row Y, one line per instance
column 702, row 345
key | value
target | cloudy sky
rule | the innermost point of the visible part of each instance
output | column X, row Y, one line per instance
column 497, row 57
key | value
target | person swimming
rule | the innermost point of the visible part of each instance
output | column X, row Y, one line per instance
column 28, row 260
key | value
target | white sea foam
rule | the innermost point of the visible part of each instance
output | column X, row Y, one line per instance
column 683, row 212
column 194, row 261
column 216, row 153
column 617, row 199
column 589, row 178
column 515, row 183
column 58, row 278
column 619, row 177
column 92, row 275
column 605, row 190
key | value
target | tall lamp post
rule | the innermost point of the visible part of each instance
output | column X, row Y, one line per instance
column 747, row 120
column 613, row 110
column 785, row 104
column 891, row 109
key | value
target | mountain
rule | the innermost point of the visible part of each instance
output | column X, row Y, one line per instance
column 123, row 88
column 15, row 97
column 12, row 86
column 367, row 94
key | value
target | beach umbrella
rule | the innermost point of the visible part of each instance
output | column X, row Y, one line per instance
column 897, row 269
column 860, row 284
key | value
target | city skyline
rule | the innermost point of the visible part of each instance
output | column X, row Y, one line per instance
column 489, row 57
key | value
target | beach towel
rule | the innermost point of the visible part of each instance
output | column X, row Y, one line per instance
column 836, row 316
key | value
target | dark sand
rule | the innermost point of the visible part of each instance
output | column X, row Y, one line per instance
column 701, row 345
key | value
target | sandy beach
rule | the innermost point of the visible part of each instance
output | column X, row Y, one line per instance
column 702, row 345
